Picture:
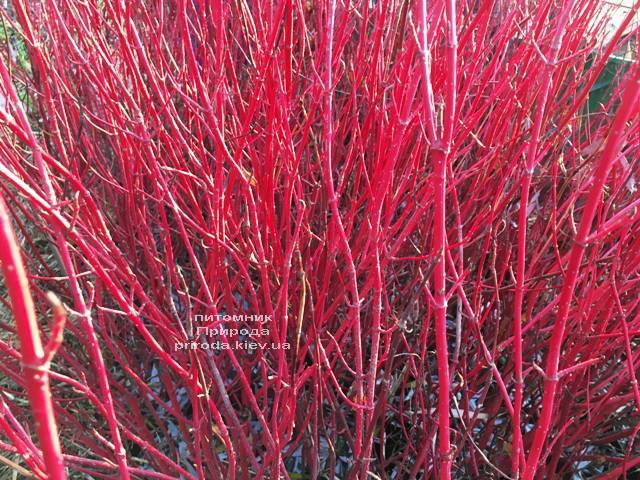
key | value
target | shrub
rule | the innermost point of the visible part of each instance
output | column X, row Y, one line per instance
column 418, row 244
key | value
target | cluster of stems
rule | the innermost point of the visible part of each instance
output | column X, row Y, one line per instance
column 338, row 239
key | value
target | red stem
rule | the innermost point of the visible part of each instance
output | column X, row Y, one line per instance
column 34, row 362
column 523, row 222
